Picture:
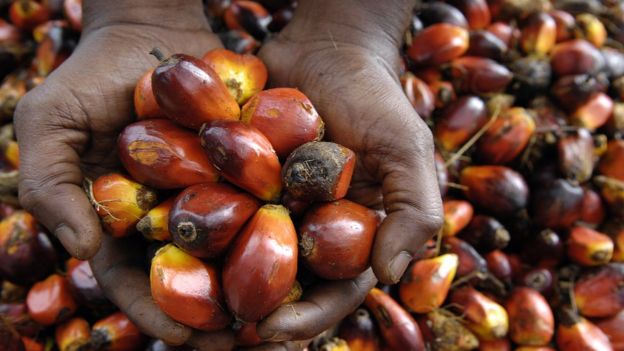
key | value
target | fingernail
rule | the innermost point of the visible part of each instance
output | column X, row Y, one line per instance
column 277, row 337
column 63, row 232
column 398, row 265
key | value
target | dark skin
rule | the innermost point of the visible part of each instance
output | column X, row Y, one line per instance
column 342, row 54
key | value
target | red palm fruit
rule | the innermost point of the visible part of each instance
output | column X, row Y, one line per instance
column 611, row 162
column 440, row 12
column 427, row 282
column 505, row 32
column 484, row 317
column 590, row 28
column 247, row 335
column 534, row 348
column 497, row 189
column 84, row 287
column 262, row 264
column 359, row 331
column 576, row 155
column 507, row 136
column 557, row 204
column 27, row 14
column 614, row 227
column 73, row 335
column 249, row 16
column 244, row 157
column 191, row 93
column 337, row 239
column 470, row 261
column 612, row 191
column 498, row 264
column 457, row 215
column 460, row 121
column 531, row 321
column 116, row 333
column 565, row 24
column 17, row 315
column 73, row 12
column 120, row 202
column 296, row 208
column 9, row 33
column 419, row 94
column 428, row 74
column 539, row 34
column 593, row 211
column 9, row 338
column 205, row 218
column 398, row 329
column 243, row 75
column 441, row 173
column 495, row 345
column 576, row 57
column 485, row 234
column 588, row 247
column 443, row 93
column 157, row 152
column 155, row 224
column 477, row 12
column 613, row 327
column 286, row 117
column 479, row 75
column 615, row 124
column 486, row 44
column 145, row 105
column 438, row 44
column 594, row 112
column 187, row 289
column 281, row 17
column 573, row 90
column 52, row 51
column 10, row 153
column 575, row 333
column 32, row 344
column 601, row 293
column 26, row 253
column 448, row 332
column 239, row 41
column 50, row 301
column 318, row 171
column 546, row 249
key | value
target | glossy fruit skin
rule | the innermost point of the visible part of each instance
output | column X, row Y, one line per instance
column 594, row 211
column 205, row 218
column 28, row 14
column 249, row 16
column 50, row 301
column 116, row 333
column 539, row 34
column 565, row 23
column 486, row 44
column 244, row 157
column 145, row 105
column 576, row 57
column 440, row 12
column 336, row 239
column 557, row 204
column 590, row 28
column 614, row 328
column 505, row 32
column 588, row 247
column 85, row 288
column 611, row 162
column 601, row 293
column 484, row 317
column 507, row 137
column 243, row 75
column 191, row 93
column 470, row 261
column 73, row 335
column 576, row 155
column 318, row 171
column 573, row 90
column 477, row 12
column 531, row 321
column 497, row 189
column 187, row 289
column 427, row 282
column 594, row 112
column 457, row 215
column 438, row 44
column 26, row 253
column 485, row 233
column 247, row 335
column 499, row 265
column 73, row 11
column 581, row 335
column 261, row 266
column 286, row 117
column 359, row 331
column 546, row 249
column 479, row 75
column 239, row 41
column 398, row 328
column 155, row 224
column 460, row 121
column 419, row 94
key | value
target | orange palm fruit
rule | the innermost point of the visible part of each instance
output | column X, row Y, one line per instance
column 594, row 112
column 564, row 23
column 419, row 94
column 576, row 155
column 187, row 289
column 601, row 293
column 611, row 162
column 116, row 333
column 448, row 332
column 243, row 75
column 557, row 204
column 205, row 218
column 50, row 301
column 27, row 14
column 590, row 28
column 336, row 239
column 427, row 282
column 531, row 321
column 575, row 333
column 73, row 335
column 505, row 32
column 484, row 317
column 286, row 117
column 457, row 215
column 594, row 211
column 477, row 12
column 73, row 12
column 588, row 247
column 359, row 331
column 249, row 16
column 244, row 157
column 479, row 75
column 507, row 137
column 470, row 261
column 612, row 191
column 485, row 233
column 613, row 327
column 32, row 344
column 155, row 224
column 539, row 34
column 499, row 265
column 438, row 43
column 615, row 229
column 443, row 93
column 460, row 121
column 191, row 93
column 247, row 335
column 145, row 105
column 261, row 266
column 318, row 171
column 398, row 328
column 576, row 57
column 120, row 202
column 496, row 189
column 495, row 345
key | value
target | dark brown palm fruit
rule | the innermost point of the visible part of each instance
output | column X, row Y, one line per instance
column 419, row 94
column 318, row 171
column 249, row 16
column 557, row 204
column 486, row 44
column 594, row 211
column 479, row 75
column 600, row 293
column 459, row 121
column 531, row 77
column 9, row 337
column 485, row 233
column 496, row 189
column 281, row 17
column 576, row 57
column 239, row 41
column 545, row 249
column 543, row 280
column 17, row 315
column 84, row 286
column 539, row 34
column 576, row 155
column 570, row 91
column 477, row 12
column 440, row 12
column 470, row 261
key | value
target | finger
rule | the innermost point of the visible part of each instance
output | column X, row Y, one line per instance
column 117, row 268
column 282, row 346
column 216, row 341
column 322, row 308
column 51, row 183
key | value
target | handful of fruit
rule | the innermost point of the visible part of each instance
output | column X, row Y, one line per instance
column 233, row 163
